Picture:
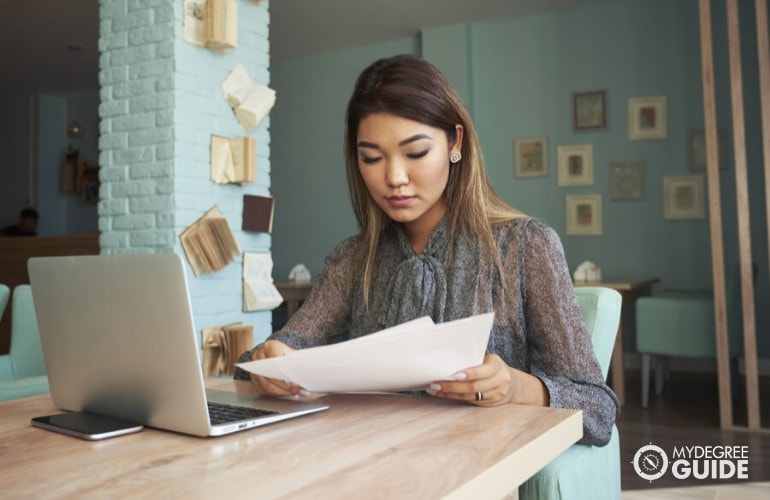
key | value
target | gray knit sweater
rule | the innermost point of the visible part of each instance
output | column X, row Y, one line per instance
column 538, row 327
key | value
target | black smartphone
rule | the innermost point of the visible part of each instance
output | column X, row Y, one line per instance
column 86, row 425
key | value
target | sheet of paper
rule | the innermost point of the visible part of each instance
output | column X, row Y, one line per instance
column 408, row 356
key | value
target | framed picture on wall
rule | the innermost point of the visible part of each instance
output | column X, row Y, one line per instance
column 647, row 118
column 683, row 197
column 696, row 149
column 627, row 180
column 589, row 110
column 576, row 165
column 530, row 157
column 584, row 214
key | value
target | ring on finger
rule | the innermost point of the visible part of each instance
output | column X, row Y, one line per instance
column 479, row 396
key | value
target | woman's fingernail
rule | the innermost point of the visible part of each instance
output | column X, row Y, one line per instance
column 433, row 389
column 304, row 393
column 460, row 376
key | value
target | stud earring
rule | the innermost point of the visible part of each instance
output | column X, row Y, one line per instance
column 455, row 157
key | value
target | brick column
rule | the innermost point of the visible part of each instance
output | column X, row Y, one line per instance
column 160, row 102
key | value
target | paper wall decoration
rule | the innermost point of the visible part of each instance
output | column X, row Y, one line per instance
column 209, row 243
column 223, row 345
column 211, row 23
column 233, row 160
column 221, row 24
column 250, row 101
column 258, row 213
column 259, row 292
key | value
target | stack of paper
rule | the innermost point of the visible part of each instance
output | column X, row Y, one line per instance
column 408, row 356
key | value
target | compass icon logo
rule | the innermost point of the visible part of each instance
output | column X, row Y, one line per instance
column 650, row 462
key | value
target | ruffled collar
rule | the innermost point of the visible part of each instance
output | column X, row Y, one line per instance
column 418, row 286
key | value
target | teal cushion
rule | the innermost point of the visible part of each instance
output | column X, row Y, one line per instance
column 6, row 368
column 26, row 351
column 5, row 293
column 23, row 388
column 681, row 325
column 600, row 308
column 580, row 473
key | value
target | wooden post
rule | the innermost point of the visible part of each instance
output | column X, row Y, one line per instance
column 743, row 211
column 763, row 54
column 715, row 216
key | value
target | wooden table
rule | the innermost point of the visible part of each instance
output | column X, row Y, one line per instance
column 629, row 291
column 293, row 294
column 363, row 446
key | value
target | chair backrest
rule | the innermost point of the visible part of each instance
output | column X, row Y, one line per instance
column 601, row 308
column 5, row 292
column 26, row 350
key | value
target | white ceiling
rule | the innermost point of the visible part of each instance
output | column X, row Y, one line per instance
column 36, row 35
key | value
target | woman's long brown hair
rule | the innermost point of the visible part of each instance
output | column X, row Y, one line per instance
column 410, row 87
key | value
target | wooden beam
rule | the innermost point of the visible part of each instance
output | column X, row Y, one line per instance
column 715, row 215
column 763, row 54
column 743, row 211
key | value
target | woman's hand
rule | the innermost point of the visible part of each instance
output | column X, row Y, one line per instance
column 491, row 384
column 269, row 386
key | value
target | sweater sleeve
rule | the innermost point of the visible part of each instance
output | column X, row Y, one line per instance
column 562, row 354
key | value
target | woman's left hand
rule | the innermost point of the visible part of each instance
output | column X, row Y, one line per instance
column 491, row 384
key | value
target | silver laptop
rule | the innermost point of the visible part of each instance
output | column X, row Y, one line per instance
column 118, row 339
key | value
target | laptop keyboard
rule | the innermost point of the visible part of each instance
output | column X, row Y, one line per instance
column 220, row 413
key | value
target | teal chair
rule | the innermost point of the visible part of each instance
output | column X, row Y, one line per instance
column 22, row 370
column 681, row 323
column 582, row 471
column 5, row 292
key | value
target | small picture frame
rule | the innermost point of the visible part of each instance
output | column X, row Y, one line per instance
column 589, row 110
column 530, row 157
column 647, row 118
column 584, row 214
column 89, row 186
column 576, row 165
column 696, row 149
column 683, row 197
column 627, row 180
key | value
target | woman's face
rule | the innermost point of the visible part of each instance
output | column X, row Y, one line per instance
column 405, row 166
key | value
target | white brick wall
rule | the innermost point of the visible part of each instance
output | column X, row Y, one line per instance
column 161, row 102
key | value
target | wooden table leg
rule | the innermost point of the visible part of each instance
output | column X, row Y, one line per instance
column 291, row 307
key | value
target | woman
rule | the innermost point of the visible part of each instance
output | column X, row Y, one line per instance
column 436, row 240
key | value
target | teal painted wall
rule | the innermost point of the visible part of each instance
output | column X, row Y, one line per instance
column 530, row 69
column 517, row 77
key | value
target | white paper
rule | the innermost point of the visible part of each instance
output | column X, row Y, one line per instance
column 408, row 356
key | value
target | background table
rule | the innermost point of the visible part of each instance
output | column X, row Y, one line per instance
column 293, row 294
column 629, row 291
column 392, row 446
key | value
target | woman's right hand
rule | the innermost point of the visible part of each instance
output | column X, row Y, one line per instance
column 270, row 386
